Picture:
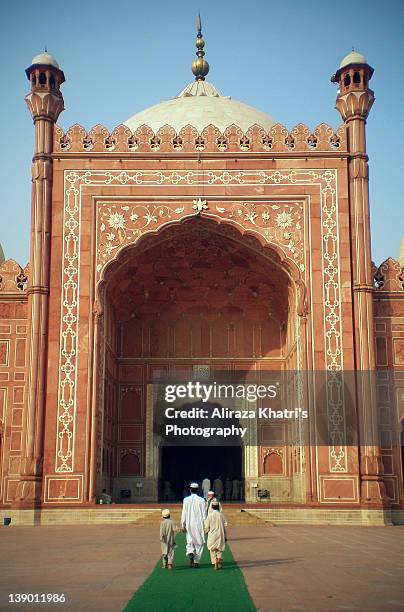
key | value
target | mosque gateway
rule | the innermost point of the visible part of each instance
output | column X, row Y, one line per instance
column 198, row 249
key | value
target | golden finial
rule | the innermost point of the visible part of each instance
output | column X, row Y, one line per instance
column 200, row 66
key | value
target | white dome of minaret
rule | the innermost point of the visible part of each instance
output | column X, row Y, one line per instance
column 200, row 104
column 353, row 57
column 45, row 59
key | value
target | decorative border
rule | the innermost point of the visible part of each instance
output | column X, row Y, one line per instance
column 75, row 181
column 266, row 451
column 6, row 486
column 67, row 386
column 335, row 479
column 119, row 224
column 62, row 486
column 13, row 278
column 130, row 449
column 210, row 140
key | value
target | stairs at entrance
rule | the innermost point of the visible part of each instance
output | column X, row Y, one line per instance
column 108, row 515
column 234, row 516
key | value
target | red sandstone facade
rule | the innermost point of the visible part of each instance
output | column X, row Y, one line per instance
column 176, row 251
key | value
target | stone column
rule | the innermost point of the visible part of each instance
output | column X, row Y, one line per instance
column 354, row 101
column 45, row 103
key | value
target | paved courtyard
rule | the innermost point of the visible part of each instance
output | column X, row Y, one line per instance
column 322, row 568
column 286, row 568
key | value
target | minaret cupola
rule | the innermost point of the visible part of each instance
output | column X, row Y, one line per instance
column 45, row 77
column 355, row 98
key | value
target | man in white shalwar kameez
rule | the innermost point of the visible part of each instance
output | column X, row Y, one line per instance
column 192, row 520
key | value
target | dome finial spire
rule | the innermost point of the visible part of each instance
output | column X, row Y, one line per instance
column 200, row 66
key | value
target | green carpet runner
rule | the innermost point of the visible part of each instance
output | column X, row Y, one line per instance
column 184, row 588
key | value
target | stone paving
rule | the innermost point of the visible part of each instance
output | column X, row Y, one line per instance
column 321, row 568
column 287, row 568
column 97, row 567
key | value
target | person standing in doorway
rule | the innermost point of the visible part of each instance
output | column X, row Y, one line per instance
column 166, row 490
column 218, row 487
column 205, row 487
column 227, row 489
column 192, row 522
column 236, row 490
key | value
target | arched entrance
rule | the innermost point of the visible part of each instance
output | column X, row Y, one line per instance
column 195, row 297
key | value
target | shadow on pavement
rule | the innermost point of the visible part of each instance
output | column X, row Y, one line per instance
column 232, row 565
column 264, row 562
column 230, row 540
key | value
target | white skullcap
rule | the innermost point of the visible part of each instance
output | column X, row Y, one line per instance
column 166, row 513
column 211, row 492
column 194, row 485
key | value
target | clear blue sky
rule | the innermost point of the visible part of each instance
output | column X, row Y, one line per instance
column 121, row 57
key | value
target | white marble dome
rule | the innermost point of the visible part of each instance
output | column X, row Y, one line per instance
column 45, row 59
column 200, row 104
column 353, row 58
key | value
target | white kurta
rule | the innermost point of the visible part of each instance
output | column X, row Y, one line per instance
column 215, row 527
column 192, row 518
column 167, row 538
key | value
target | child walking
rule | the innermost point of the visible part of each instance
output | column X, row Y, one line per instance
column 167, row 539
column 215, row 527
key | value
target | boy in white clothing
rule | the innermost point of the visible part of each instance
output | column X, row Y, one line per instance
column 167, row 539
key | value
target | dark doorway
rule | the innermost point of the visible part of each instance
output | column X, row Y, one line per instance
column 181, row 465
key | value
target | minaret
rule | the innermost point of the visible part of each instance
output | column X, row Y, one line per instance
column 45, row 103
column 354, row 101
